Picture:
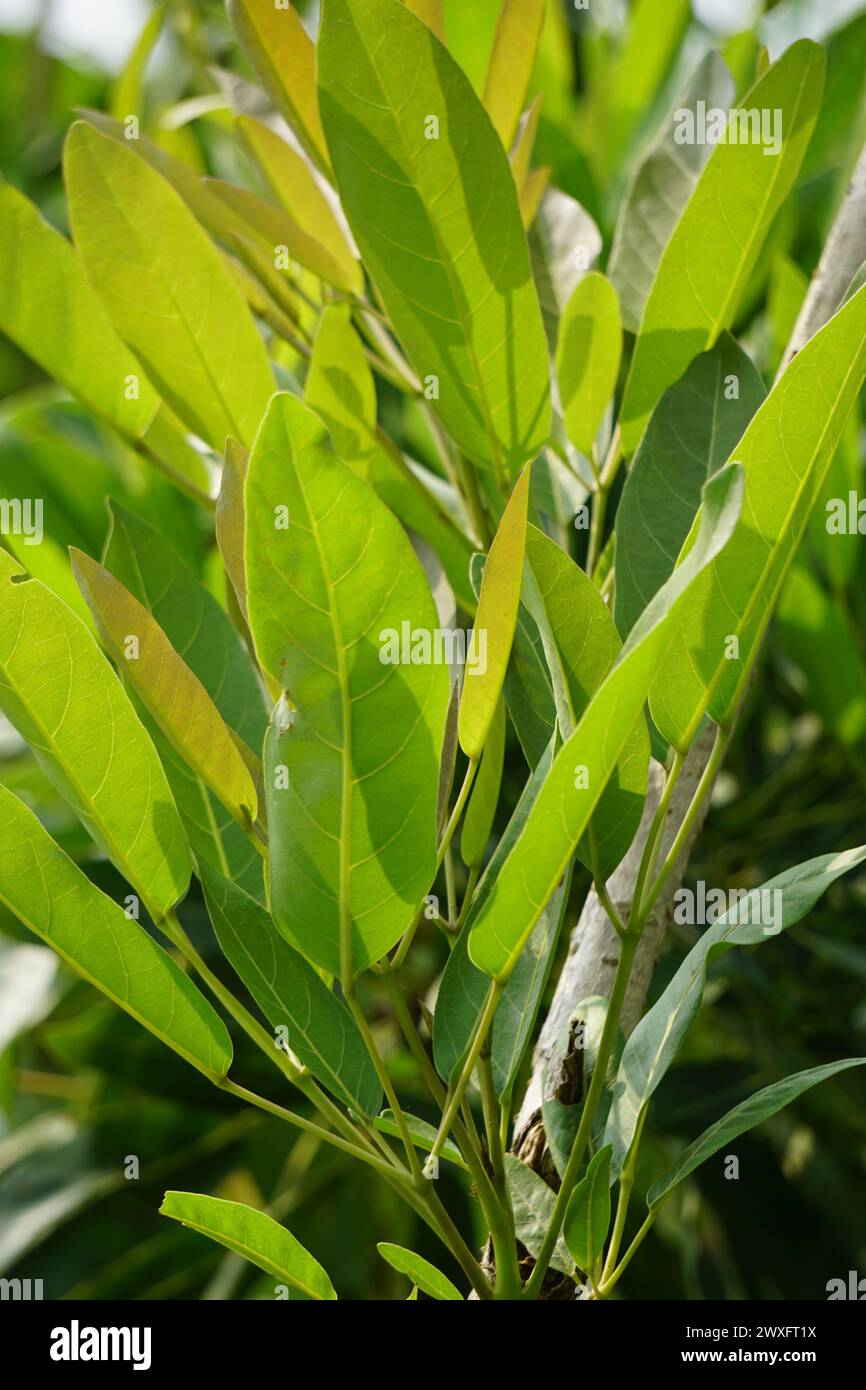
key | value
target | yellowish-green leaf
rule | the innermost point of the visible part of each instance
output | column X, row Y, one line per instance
column 430, row 11
column 587, row 358
column 126, row 95
column 424, row 1276
column 512, row 59
column 588, row 1215
column 51, row 896
column 293, row 185
column 60, row 321
column 253, row 1234
column 495, row 621
column 284, row 56
column 712, row 252
column 62, row 695
column 524, row 144
column 229, row 518
column 161, row 678
column 167, row 289
column 478, row 820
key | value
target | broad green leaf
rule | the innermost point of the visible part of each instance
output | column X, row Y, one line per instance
column 430, row 11
column 478, row 818
column 425, row 1276
column 171, row 692
column 423, row 1135
column 533, row 1202
column 587, row 358
column 61, row 323
column 201, row 632
column 495, row 621
column 658, row 1036
column 838, row 551
column 693, row 430
column 463, row 989
column 253, row 1234
column 751, row 1112
column 818, row 636
column 584, row 765
column 580, row 646
column 62, row 695
column 127, row 91
column 51, row 896
column 292, row 995
column 588, row 1215
column 284, row 56
column 293, row 185
column 351, row 856
column 168, row 291
column 512, row 59
column 660, row 187
column 438, row 225
column 712, row 252
column 785, row 454
column 341, row 389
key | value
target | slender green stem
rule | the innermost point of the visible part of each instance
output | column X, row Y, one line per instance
column 590, row 1106
column 607, row 1285
column 387, row 1085
column 490, row 1110
column 702, row 791
column 455, row 1094
column 653, row 841
column 626, row 1183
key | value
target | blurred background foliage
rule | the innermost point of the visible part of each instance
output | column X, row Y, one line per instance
column 83, row 1090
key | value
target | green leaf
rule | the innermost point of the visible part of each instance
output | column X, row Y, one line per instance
column 127, row 93
column 60, row 322
column 427, row 1277
column 744, row 1117
column 430, row 11
column 588, row 1215
column 658, row 1036
column 693, row 430
column 166, row 685
column 423, row 1135
column 533, row 1202
column 291, row 994
column 580, row 646
column 284, row 57
column 561, row 230
column 463, row 989
column 587, row 358
column 660, row 187
column 495, row 621
column 340, row 388
column 712, row 252
column 517, row 1013
column 571, row 791
column 53, row 678
column 167, row 289
column 816, row 633
column 787, row 290
column 478, row 819
column 292, row 184
column 512, row 59
column 629, row 80
column 438, row 225
column 351, row 857
column 201, row 632
column 52, row 897
column 785, row 454
column 229, row 520
column 253, row 1234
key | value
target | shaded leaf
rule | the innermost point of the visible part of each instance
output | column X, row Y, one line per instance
column 588, row 1214
column 533, row 1202
column 51, row 896
column 587, row 358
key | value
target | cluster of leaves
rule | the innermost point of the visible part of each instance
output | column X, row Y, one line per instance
column 377, row 369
